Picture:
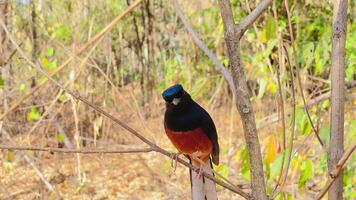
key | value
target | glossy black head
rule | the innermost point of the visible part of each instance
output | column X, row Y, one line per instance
column 175, row 95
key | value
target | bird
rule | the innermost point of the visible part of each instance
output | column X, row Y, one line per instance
column 192, row 131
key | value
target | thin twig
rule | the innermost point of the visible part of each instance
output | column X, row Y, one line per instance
column 79, row 151
column 65, row 63
column 274, row 117
column 282, row 112
column 203, row 47
column 336, row 171
column 291, row 143
column 119, row 122
column 30, row 160
column 298, row 76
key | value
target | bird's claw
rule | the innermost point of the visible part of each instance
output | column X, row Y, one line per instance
column 174, row 157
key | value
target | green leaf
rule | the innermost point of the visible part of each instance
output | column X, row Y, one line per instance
column 60, row 137
column 22, row 87
column 325, row 132
column 62, row 32
column 1, row 82
column 271, row 28
column 222, row 169
column 52, row 65
column 325, row 104
column 262, row 87
column 245, row 164
column 49, row 52
column 33, row 115
column 276, row 166
column 306, row 172
column 7, row 165
column 308, row 53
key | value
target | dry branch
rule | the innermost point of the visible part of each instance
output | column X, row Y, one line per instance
column 81, row 151
column 203, row 47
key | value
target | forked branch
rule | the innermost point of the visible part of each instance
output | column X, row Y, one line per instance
column 247, row 21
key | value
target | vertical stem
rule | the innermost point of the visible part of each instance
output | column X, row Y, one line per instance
column 337, row 93
column 34, row 38
column 243, row 103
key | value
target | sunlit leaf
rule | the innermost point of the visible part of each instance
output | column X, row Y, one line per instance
column 271, row 28
column 222, row 169
column 262, row 87
column 306, row 172
column 325, row 104
column 308, row 53
column 49, row 52
column 7, row 165
column 9, row 155
column 60, row 137
column 271, row 149
column 52, row 65
column 45, row 62
column 325, row 132
column 272, row 87
column 62, row 32
column 245, row 164
column 22, row 87
column 33, row 115
column 276, row 166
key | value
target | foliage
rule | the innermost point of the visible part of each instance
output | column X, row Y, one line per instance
column 149, row 50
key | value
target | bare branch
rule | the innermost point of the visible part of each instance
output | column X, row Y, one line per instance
column 81, row 151
column 119, row 122
column 30, row 160
column 247, row 21
column 203, row 47
column 282, row 181
column 337, row 169
column 274, row 117
column 295, row 56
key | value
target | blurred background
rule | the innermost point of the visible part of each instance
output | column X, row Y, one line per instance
column 125, row 71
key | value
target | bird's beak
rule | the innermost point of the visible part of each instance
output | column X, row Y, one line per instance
column 175, row 101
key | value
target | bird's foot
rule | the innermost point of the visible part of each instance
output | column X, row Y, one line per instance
column 174, row 157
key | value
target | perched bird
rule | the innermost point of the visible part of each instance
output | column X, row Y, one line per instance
column 192, row 131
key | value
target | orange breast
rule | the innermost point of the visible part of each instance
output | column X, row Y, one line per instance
column 189, row 142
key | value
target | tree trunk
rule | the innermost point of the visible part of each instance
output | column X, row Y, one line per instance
column 337, row 94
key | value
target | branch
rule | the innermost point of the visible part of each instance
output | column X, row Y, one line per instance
column 30, row 161
column 119, row 122
column 247, row 21
column 336, row 171
column 295, row 57
column 275, row 118
column 81, row 151
column 203, row 47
